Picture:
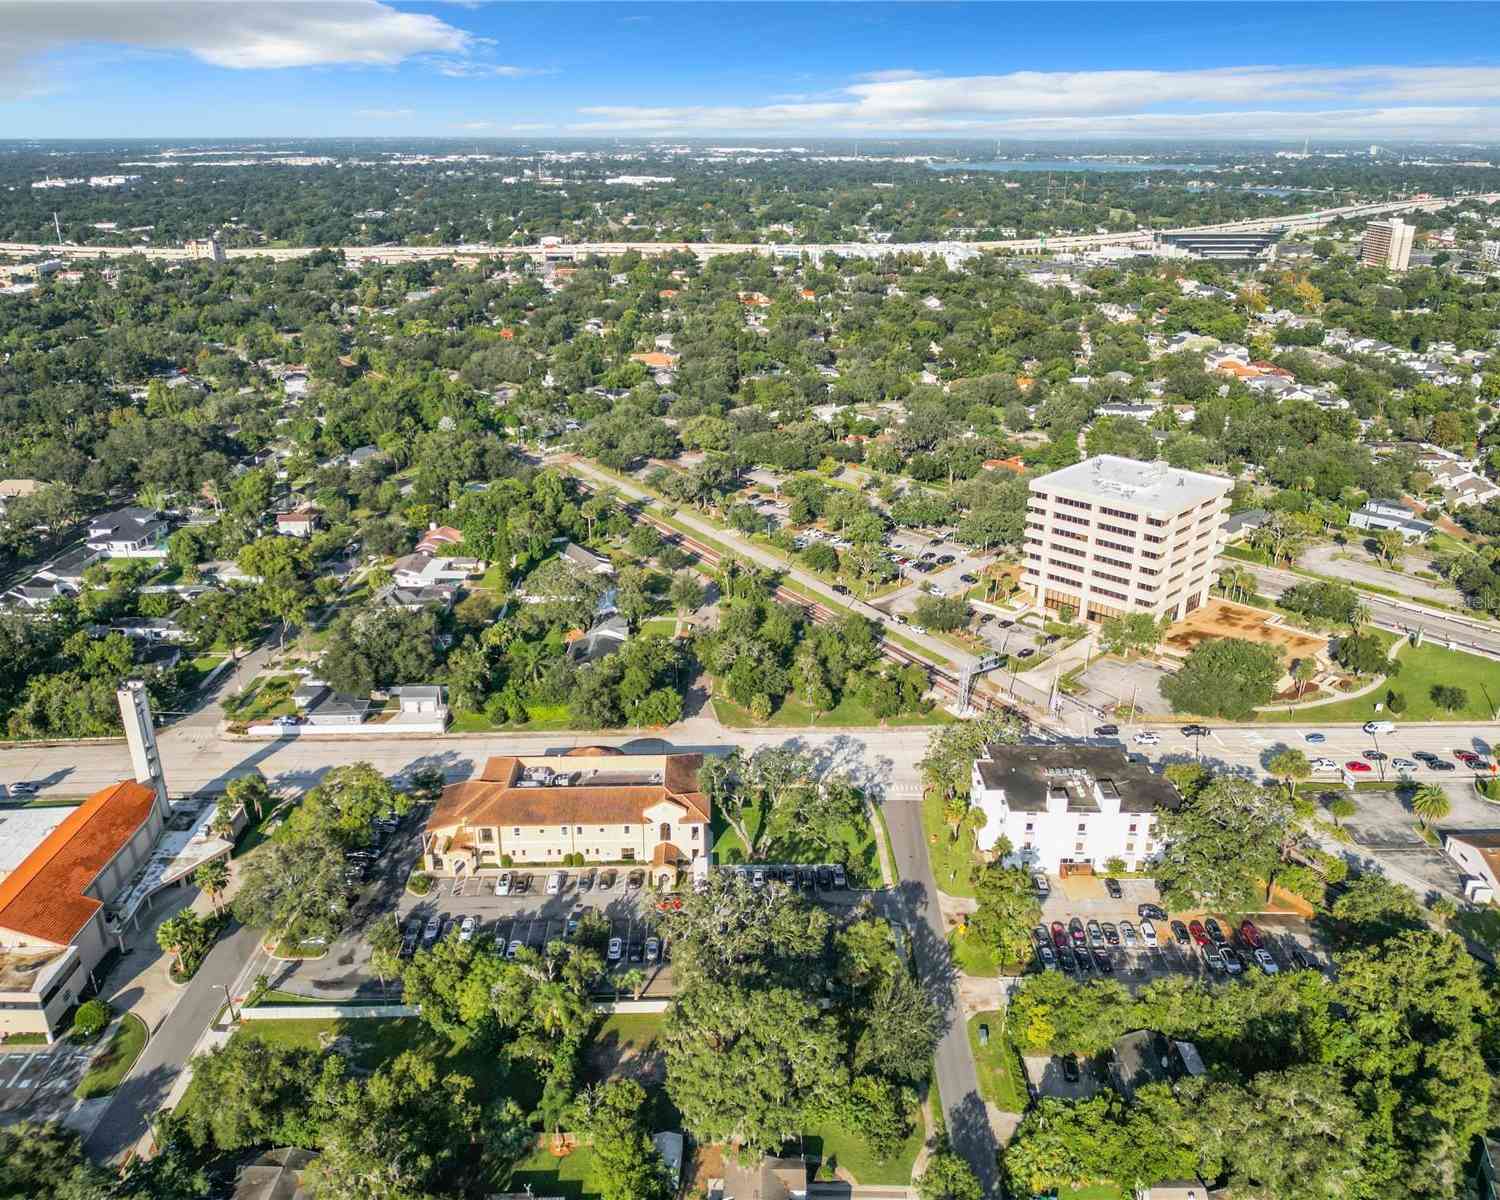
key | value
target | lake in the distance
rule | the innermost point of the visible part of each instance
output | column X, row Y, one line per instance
column 1068, row 164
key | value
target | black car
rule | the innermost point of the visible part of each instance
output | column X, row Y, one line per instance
column 840, row 589
column 1106, row 731
column 1196, row 731
column 805, row 878
column 1085, row 961
column 1299, row 960
column 1441, row 764
column 1104, row 963
column 1180, row 934
column 1373, row 755
column 1216, row 935
column 1040, row 936
column 1111, row 934
column 1151, row 912
column 1070, row 1069
column 1026, row 653
column 1112, row 886
column 1065, row 957
column 637, row 952
column 944, row 560
column 825, row 878
column 1006, row 624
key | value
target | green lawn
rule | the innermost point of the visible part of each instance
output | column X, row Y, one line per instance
column 113, row 1063
column 660, row 626
column 1421, row 668
column 376, row 1040
column 840, row 1148
column 972, row 956
column 267, row 696
column 1093, row 1191
column 998, row 1064
column 952, row 861
column 544, row 1174
column 545, row 718
column 787, row 844
column 793, row 714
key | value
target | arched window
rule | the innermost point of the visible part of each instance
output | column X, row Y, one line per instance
column 666, row 831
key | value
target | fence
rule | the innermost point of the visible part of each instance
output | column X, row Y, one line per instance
column 327, row 1012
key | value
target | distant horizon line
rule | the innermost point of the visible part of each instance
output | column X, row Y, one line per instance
column 752, row 140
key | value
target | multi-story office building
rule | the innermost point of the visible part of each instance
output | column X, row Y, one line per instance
column 1112, row 536
column 1387, row 244
column 1069, row 806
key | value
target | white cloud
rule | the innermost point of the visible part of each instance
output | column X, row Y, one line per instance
column 475, row 126
column 235, row 34
column 1237, row 100
column 385, row 114
column 469, row 68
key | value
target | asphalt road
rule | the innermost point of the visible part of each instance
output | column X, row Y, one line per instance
column 915, row 898
column 1401, row 616
column 165, row 1057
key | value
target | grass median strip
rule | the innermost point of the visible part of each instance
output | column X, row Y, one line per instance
column 113, row 1063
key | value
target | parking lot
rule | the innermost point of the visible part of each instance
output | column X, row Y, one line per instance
column 36, row 1083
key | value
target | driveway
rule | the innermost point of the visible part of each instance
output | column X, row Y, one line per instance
column 1109, row 681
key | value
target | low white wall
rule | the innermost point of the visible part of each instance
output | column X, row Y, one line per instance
column 327, row 1012
column 634, row 1006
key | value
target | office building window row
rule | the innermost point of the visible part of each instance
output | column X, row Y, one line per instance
column 1116, row 529
column 1114, row 546
column 1071, row 503
column 1119, row 512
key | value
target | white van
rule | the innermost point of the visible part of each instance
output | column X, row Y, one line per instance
column 555, row 883
column 1380, row 727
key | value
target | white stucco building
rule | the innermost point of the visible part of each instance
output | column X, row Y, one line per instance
column 1069, row 805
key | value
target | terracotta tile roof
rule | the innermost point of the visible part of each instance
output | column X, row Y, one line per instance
column 492, row 799
column 655, row 358
column 44, row 897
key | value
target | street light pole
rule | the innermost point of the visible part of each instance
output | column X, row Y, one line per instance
column 229, row 1000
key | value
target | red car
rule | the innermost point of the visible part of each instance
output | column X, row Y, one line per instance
column 1356, row 766
column 1251, row 935
column 1467, row 757
column 1059, row 934
column 1200, row 935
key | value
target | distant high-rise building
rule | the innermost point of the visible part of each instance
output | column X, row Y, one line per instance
column 1387, row 244
column 1491, row 252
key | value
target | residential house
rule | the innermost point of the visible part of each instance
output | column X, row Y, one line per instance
column 295, row 384
column 337, row 710
column 129, row 533
column 595, row 802
column 1477, row 855
column 281, row 1174
column 1462, row 485
column 422, row 700
column 1146, row 1056
column 1066, row 808
column 414, row 599
column 68, row 568
column 36, row 593
column 424, row 570
column 14, row 489
column 603, row 639
column 594, row 564
column 300, row 522
column 1240, row 525
column 1134, row 412
column 363, row 456
column 1378, row 515
column 438, row 536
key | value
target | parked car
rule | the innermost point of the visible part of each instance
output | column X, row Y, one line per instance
column 1070, row 1068
column 1066, row 960
column 1048, row 959
column 758, row 877
column 1106, row 731
column 1127, row 934
column 1085, row 960
column 1232, row 962
column 555, row 883
column 1111, row 934
column 570, row 927
column 1324, row 764
column 1265, row 962
column 637, row 952
column 1403, row 764
column 1359, row 768
column 1200, row 936
column 1104, row 963
column 607, row 880
column 522, row 884
column 616, row 949
column 1199, row 731
column 1441, row 764
column 984, row 1034
column 1112, row 886
column 586, row 880
column 1250, row 935
column 825, row 878
column 1215, row 931
column 431, row 930
column 1214, row 959
column 1075, row 929
column 1059, row 934
column 1147, row 738
column 805, row 878
column 1041, row 883
column 1096, row 934
column 840, row 878
column 1380, row 727
column 653, row 949
column 1154, row 911
column 1316, row 739
column 1180, row 934
column 1372, row 755
column 1148, row 932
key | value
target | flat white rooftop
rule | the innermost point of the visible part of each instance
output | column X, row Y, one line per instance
column 22, row 830
column 1146, row 485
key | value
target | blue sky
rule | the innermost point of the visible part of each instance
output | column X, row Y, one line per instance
column 315, row 68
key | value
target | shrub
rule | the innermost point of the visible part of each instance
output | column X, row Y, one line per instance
column 1395, row 701
column 507, row 861
column 1448, row 697
column 1114, row 866
column 419, row 884
column 90, row 1020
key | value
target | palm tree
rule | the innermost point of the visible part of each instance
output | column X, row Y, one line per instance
column 1302, row 672
column 1430, row 803
column 1359, row 617
column 213, row 878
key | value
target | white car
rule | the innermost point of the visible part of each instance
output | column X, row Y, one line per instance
column 1404, row 764
column 1148, row 933
column 555, row 883
column 1379, row 727
column 1266, row 963
column 1324, row 764
column 1127, row 934
column 502, row 885
column 468, row 929
column 616, row 949
column 1147, row 738
column 513, row 949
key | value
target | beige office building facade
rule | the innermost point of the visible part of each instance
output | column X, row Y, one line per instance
column 1112, row 536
